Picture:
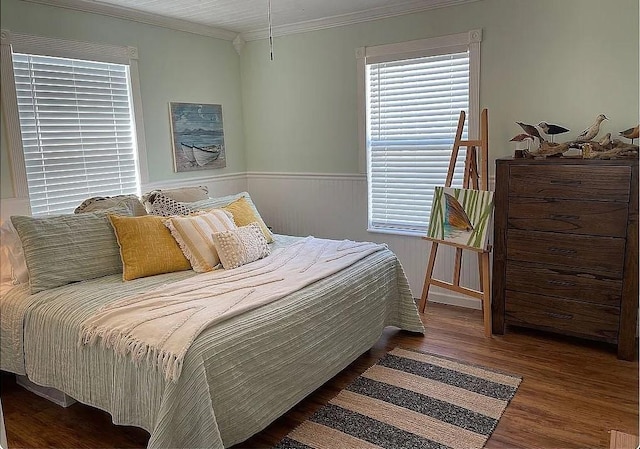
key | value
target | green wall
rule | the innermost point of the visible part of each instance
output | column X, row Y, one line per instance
column 561, row 61
column 173, row 66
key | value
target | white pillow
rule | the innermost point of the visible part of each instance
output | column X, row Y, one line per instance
column 14, row 265
column 166, row 207
column 6, row 271
column 240, row 246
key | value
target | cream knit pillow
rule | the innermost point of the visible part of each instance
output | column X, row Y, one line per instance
column 241, row 246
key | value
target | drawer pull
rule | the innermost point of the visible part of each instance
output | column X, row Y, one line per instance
column 566, row 182
column 565, row 217
column 561, row 283
column 560, row 316
column 564, row 251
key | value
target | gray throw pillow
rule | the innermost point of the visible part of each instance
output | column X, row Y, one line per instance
column 63, row 249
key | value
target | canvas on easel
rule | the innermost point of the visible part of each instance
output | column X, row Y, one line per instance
column 461, row 217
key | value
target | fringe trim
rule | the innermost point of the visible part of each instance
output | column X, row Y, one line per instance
column 193, row 260
column 123, row 344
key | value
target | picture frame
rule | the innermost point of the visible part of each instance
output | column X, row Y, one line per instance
column 461, row 217
column 197, row 136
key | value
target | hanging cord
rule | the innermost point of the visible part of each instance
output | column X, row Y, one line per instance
column 270, row 32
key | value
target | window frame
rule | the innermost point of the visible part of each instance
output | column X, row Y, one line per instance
column 62, row 48
column 461, row 42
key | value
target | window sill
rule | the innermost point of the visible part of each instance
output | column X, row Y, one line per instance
column 401, row 232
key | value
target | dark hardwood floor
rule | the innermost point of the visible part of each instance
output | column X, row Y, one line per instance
column 573, row 392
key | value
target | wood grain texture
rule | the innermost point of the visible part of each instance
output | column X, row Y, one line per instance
column 570, row 231
column 589, row 253
column 568, row 216
column 500, row 214
column 565, row 283
column 571, row 317
column 629, row 302
column 564, row 180
column 567, row 230
column 573, row 391
column 621, row 440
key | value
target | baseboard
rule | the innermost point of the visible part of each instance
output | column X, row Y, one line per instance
column 51, row 394
column 455, row 300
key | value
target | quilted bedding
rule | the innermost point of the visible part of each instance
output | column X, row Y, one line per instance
column 238, row 376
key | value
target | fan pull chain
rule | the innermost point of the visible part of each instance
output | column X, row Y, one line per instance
column 270, row 32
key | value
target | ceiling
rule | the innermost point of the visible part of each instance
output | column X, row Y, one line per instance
column 228, row 18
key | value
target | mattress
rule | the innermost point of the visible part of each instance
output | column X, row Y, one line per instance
column 238, row 376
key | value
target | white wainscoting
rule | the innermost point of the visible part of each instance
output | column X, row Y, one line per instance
column 335, row 206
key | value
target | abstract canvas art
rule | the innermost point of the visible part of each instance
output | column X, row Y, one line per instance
column 461, row 216
column 197, row 136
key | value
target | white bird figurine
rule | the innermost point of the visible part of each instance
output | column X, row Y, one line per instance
column 606, row 140
column 592, row 131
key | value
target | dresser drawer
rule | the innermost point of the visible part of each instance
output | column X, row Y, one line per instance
column 571, row 181
column 562, row 316
column 605, row 218
column 589, row 253
column 563, row 283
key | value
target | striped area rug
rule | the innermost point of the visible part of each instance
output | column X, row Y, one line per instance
column 408, row 400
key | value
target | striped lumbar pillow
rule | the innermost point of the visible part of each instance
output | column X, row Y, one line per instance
column 194, row 235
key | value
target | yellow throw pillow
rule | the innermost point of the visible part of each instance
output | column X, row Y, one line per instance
column 243, row 214
column 146, row 247
column 194, row 234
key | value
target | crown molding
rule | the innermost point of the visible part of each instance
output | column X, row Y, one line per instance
column 382, row 12
column 139, row 16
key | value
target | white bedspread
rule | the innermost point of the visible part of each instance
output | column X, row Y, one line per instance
column 160, row 325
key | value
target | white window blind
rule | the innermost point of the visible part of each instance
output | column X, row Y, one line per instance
column 413, row 106
column 77, row 128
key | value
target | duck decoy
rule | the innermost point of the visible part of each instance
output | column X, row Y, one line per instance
column 592, row 131
column 531, row 130
column 631, row 133
column 551, row 129
column 606, row 140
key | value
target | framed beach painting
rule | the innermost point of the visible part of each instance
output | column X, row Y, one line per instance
column 461, row 217
column 197, row 135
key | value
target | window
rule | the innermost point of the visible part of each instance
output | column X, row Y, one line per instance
column 76, row 125
column 413, row 95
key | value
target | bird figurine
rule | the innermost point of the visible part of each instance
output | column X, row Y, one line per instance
column 631, row 133
column 456, row 217
column 531, row 130
column 521, row 137
column 552, row 130
column 606, row 140
column 592, row 131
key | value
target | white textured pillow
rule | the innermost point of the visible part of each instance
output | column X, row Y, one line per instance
column 14, row 264
column 241, row 246
column 164, row 206
column 194, row 236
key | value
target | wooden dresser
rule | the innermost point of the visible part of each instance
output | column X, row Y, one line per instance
column 566, row 248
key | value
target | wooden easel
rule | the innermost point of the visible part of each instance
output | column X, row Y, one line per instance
column 474, row 180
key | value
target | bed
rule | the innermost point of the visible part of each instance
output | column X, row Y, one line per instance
column 238, row 375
